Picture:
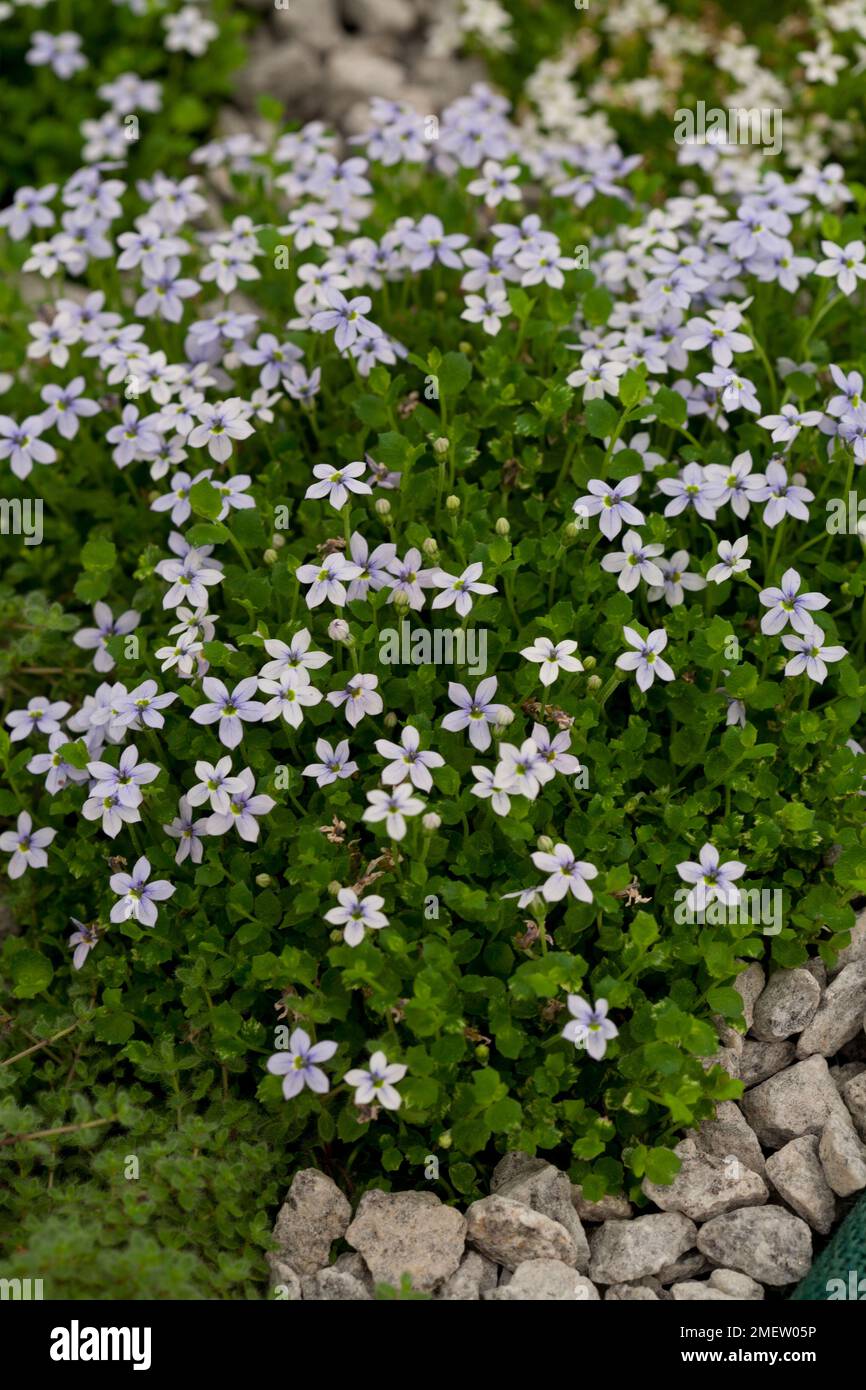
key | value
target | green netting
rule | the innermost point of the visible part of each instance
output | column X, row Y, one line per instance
column 840, row 1270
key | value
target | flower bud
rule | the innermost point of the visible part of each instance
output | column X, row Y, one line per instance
column 594, row 683
column 452, row 503
column 504, row 718
column 383, row 506
column 445, row 1140
column 570, row 531
column 466, row 348
column 270, row 557
column 401, row 599
column 482, row 1052
column 430, row 548
column 278, row 540
column 589, row 663
column 440, row 445
column 263, row 880
column 440, row 297
column 503, row 526
column 390, row 720
column 545, row 844
column 431, row 821
column 339, row 631
column 334, row 887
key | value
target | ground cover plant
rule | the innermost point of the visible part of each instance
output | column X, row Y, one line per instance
column 435, row 601
column 93, row 76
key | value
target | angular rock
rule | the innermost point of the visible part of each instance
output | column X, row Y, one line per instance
column 335, row 1286
column 284, row 1283
column 515, row 1164
column 786, row 1006
column 316, row 25
column 797, row 1101
column 381, row 16
column 314, row 1215
column 625, row 1251
column 350, row 1262
column 707, row 1185
column 475, row 1277
column 699, row 1293
column 609, row 1208
column 728, row 1058
column 759, row 1060
column 630, row 1293
column 843, row 1072
column 857, row 949
column 818, row 970
column 289, row 71
column 736, row 1285
column 548, row 1191
column 686, row 1267
column 840, row 1014
column 796, row 1173
column 842, row 1156
column 730, row 1136
column 546, row 1281
column 749, row 984
column 355, row 70
column 510, row 1233
column 854, row 1096
column 408, row 1233
column 767, row 1243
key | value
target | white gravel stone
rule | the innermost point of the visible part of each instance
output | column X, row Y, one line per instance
column 284, row 1282
column 736, row 1285
column 630, row 1293
column 840, row 1014
column 699, row 1293
column 355, row 70
column 609, row 1208
column 796, row 1173
column 545, row 1281
column 625, row 1251
column 760, row 1060
column 854, row 1096
column 287, row 71
column 730, row 1136
column 857, row 949
column 786, row 1006
column 381, row 16
column 510, row 1233
column 687, row 1266
column 707, row 1185
column 475, row 1277
column 797, row 1101
column 548, row 1191
column 842, row 1156
column 314, row 1215
column 767, row 1243
column 410, row 1233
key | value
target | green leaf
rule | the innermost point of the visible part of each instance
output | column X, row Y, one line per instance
column 113, row 1026
column 669, row 406
column 662, row 1166
column 601, row 418
column 454, row 373
column 99, row 555
column 31, row 973
column 205, row 500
